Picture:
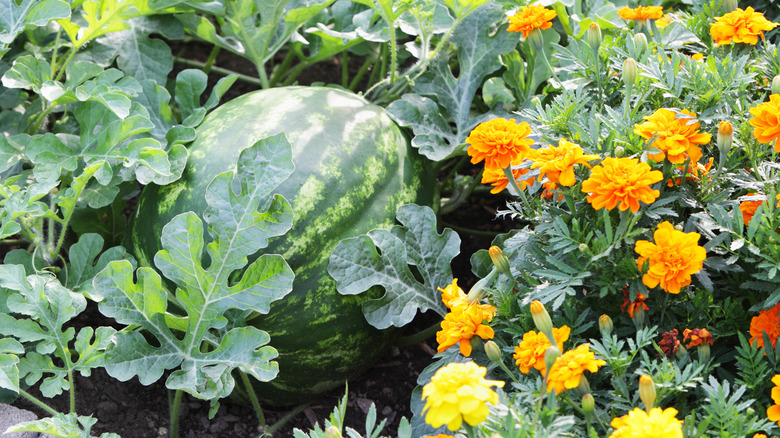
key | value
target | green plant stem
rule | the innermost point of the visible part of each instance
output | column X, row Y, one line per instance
column 345, row 69
column 627, row 100
column 418, row 337
column 506, row 370
column 282, row 68
column 295, row 411
column 218, row 70
column 360, row 73
column 210, row 61
column 253, row 399
column 552, row 70
column 37, row 402
column 663, row 309
column 393, row 54
column 72, row 392
column 598, row 77
column 174, row 412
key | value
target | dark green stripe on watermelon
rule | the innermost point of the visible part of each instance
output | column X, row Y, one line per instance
column 353, row 168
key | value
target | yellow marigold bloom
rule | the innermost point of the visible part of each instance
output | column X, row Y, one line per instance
column 654, row 424
column 463, row 323
column 499, row 142
column 740, row 26
column 497, row 178
column 557, row 163
column 760, row 435
column 457, row 392
column 452, row 293
column 664, row 21
column 677, row 135
column 565, row 373
column 766, row 121
column 674, row 257
column 641, row 13
column 767, row 321
column 530, row 352
column 530, row 18
column 773, row 412
column 623, row 181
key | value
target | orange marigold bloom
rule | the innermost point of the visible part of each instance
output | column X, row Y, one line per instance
column 642, row 13
column 740, row 26
column 499, row 142
column 530, row 18
column 557, row 163
column 669, row 343
column 677, row 135
column 633, row 306
column 497, row 178
column 766, row 121
column 673, row 258
column 748, row 208
column 565, row 373
column 696, row 172
column 767, row 321
column 653, row 423
column 530, row 352
column 623, row 181
column 697, row 337
column 760, row 435
column 461, row 324
column 549, row 191
column 773, row 412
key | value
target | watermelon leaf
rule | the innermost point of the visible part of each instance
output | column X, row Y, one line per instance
column 357, row 265
column 87, row 258
column 67, row 425
column 10, row 349
column 443, row 96
column 15, row 16
column 241, row 216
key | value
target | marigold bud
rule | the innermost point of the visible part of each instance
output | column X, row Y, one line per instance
column 493, row 351
column 639, row 317
column 536, row 101
column 536, row 39
column 500, row 261
column 478, row 291
column 605, row 325
column 541, row 318
column 629, row 72
column 730, row 6
column 588, row 404
column 550, row 355
column 725, row 136
column 647, row 391
column 640, row 43
column 333, row 432
column 593, row 36
column 583, row 387
column 776, row 85
column 620, row 151
column 582, row 247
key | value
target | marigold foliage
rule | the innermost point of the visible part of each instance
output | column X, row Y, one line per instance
column 740, row 26
column 530, row 352
column 499, row 142
column 641, row 13
column 677, row 135
column 622, row 183
column 673, row 258
column 653, row 424
column 767, row 321
column 458, row 392
column 766, row 121
column 530, row 18
column 567, row 370
column 557, row 162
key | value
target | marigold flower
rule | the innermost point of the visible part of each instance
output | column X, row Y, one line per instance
column 653, row 424
column 497, row 178
column 740, row 26
column 773, row 412
column 697, row 337
column 549, row 191
column 632, row 306
column 748, row 208
column 623, row 181
column 499, row 142
column 664, row 21
column 458, row 392
column 462, row 323
column 677, row 135
column 673, row 258
column 766, row 121
column 647, row 390
column 767, row 321
column 441, row 435
column 565, row 373
column 696, row 172
column 669, row 343
column 641, row 13
column 530, row 18
column 760, row 435
column 557, row 163
column 530, row 352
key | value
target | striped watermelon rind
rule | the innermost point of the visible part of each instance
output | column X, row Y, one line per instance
column 354, row 167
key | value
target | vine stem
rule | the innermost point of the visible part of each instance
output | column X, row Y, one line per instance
column 219, row 70
column 253, row 398
column 174, row 408
column 37, row 402
column 297, row 410
column 418, row 337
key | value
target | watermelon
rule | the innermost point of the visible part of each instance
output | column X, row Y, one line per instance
column 353, row 168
